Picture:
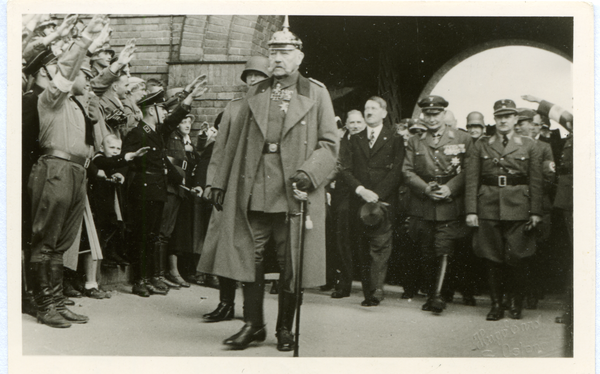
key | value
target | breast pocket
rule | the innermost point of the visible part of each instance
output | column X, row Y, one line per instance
column 520, row 162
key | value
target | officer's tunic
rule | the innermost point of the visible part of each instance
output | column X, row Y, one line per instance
column 504, row 188
column 437, row 224
column 57, row 186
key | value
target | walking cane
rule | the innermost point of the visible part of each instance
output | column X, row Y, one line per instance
column 305, row 224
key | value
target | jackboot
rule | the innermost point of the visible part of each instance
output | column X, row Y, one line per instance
column 518, row 283
column 42, row 291
column 254, row 329
column 495, row 283
column 285, row 321
column 429, row 272
column 438, row 304
column 225, row 309
column 56, row 274
column 160, row 257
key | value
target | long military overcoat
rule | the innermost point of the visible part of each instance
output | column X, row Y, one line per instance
column 309, row 143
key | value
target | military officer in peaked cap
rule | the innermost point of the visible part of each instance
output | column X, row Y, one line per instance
column 434, row 170
column 504, row 201
column 148, row 185
column 284, row 135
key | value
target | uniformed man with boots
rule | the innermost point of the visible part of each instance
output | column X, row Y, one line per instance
column 434, row 170
column 256, row 69
column 57, row 184
column 283, row 138
column 504, row 202
column 148, row 186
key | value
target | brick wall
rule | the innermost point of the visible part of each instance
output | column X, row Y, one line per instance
column 178, row 48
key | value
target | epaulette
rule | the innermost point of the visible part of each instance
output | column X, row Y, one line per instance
column 316, row 82
column 148, row 129
column 28, row 92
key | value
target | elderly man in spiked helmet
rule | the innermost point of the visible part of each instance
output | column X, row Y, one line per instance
column 284, row 136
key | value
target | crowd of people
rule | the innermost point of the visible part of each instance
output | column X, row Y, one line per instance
column 112, row 175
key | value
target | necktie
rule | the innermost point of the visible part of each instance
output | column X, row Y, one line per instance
column 372, row 139
column 505, row 141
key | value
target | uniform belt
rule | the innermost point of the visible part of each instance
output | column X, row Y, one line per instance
column 83, row 161
column 505, row 180
column 156, row 172
column 271, row 148
column 178, row 162
column 440, row 179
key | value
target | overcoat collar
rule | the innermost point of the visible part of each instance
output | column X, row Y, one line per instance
column 300, row 104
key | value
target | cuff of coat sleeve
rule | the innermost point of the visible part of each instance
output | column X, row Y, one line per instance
column 359, row 189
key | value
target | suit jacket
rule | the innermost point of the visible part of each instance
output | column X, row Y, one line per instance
column 148, row 174
column 378, row 169
column 309, row 143
column 446, row 160
column 520, row 158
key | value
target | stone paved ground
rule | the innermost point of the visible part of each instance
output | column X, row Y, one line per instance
column 128, row 325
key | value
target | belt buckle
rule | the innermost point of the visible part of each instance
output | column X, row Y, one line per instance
column 272, row 147
column 184, row 165
column 501, row 180
column 86, row 164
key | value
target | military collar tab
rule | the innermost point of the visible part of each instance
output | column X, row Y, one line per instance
column 517, row 139
column 147, row 128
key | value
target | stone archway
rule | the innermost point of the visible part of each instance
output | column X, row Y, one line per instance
column 462, row 56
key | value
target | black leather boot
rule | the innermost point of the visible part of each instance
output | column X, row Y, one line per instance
column 153, row 290
column 139, row 288
column 56, row 274
column 254, row 329
column 225, row 309
column 285, row 321
column 160, row 256
column 437, row 302
column 42, row 290
column 495, row 283
column 519, row 280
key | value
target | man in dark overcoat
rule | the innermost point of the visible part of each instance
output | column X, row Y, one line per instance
column 284, row 133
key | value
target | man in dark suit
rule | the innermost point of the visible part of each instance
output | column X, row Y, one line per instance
column 434, row 170
column 503, row 199
column 372, row 168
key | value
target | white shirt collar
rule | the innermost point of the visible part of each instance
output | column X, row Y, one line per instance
column 377, row 131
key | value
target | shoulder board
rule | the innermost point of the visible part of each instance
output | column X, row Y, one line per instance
column 148, row 129
column 316, row 82
column 28, row 92
column 257, row 82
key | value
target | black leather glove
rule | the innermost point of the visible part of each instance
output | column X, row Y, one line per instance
column 216, row 197
column 302, row 181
